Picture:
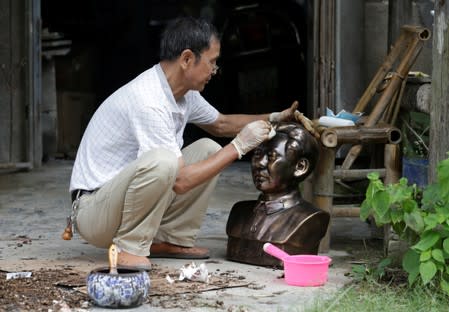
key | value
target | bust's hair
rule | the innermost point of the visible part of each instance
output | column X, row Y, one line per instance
column 186, row 33
column 300, row 143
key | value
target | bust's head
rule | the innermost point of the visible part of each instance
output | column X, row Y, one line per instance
column 280, row 164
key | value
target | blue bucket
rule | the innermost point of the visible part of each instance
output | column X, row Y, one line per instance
column 415, row 170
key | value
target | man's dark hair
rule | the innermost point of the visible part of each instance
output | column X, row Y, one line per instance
column 186, row 33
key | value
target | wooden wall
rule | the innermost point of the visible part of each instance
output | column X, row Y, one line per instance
column 19, row 83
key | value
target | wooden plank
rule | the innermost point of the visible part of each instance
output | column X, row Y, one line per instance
column 17, row 165
column 5, row 94
column 18, row 76
column 439, row 110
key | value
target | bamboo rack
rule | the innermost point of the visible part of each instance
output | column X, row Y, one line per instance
column 406, row 48
column 337, row 136
column 377, row 128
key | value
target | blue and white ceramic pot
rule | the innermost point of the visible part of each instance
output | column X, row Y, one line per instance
column 127, row 288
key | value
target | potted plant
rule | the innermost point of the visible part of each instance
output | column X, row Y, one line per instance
column 420, row 217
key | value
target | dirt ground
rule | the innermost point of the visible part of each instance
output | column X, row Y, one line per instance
column 46, row 289
column 64, row 289
column 33, row 208
column 62, row 286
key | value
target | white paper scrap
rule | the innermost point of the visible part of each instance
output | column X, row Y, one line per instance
column 194, row 273
column 14, row 275
column 169, row 279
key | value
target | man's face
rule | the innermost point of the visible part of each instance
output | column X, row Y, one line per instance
column 272, row 172
column 205, row 67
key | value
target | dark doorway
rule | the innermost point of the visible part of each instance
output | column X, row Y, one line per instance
column 262, row 68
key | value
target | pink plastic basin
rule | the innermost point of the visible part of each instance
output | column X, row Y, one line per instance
column 301, row 270
column 306, row 270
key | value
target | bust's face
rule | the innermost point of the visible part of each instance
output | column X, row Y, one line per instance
column 273, row 172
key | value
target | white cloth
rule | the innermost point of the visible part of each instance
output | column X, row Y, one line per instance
column 136, row 118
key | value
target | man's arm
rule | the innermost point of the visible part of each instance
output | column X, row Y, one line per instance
column 251, row 130
column 230, row 125
column 247, row 139
column 193, row 175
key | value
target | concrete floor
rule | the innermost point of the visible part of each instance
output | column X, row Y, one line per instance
column 35, row 204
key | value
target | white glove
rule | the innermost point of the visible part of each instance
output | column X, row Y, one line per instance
column 251, row 136
column 286, row 115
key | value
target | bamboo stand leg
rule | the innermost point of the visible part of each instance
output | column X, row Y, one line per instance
column 392, row 162
column 324, row 189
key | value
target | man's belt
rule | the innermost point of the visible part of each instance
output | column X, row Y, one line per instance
column 79, row 193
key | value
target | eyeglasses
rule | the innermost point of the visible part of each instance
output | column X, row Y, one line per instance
column 213, row 65
column 215, row 68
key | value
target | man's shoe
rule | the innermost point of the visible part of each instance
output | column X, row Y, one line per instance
column 126, row 259
column 167, row 250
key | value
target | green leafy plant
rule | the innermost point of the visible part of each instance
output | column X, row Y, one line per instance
column 420, row 217
column 364, row 272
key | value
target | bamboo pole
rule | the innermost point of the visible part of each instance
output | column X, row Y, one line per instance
column 387, row 114
column 421, row 32
column 392, row 160
column 412, row 51
column 316, row 101
column 394, row 117
column 333, row 137
column 395, row 82
column 380, row 74
column 352, row 174
column 331, row 55
column 307, row 123
column 322, row 58
column 324, row 188
column 397, row 48
column 346, row 211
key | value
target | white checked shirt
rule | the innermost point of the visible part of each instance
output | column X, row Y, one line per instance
column 138, row 117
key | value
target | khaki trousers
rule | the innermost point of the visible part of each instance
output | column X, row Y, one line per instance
column 139, row 205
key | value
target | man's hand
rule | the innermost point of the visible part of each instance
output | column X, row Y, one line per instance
column 286, row 115
column 251, row 136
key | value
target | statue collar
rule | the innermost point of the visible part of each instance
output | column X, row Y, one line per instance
column 281, row 203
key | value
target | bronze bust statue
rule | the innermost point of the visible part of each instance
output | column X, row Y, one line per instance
column 280, row 215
